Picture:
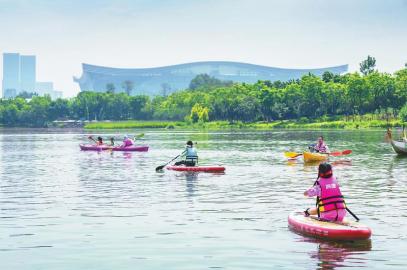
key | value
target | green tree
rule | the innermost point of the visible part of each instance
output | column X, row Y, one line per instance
column 199, row 113
column 165, row 89
column 110, row 88
column 27, row 95
column 327, row 76
column 403, row 113
column 128, row 87
column 367, row 66
column 357, row 93
column 204, row 81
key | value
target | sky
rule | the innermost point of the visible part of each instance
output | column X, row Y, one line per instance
column 150, row 33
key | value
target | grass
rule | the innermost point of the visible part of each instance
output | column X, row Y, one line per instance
column 284, row 124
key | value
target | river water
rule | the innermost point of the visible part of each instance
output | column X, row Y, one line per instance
column 62, row 208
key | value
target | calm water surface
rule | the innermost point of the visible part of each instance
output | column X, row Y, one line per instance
column 66, row 209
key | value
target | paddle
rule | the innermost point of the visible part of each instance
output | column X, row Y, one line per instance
column 141, row 135
column 335, row 154
column 292, row 154
column 91, row 138
column 343, row 153
column 159, row 168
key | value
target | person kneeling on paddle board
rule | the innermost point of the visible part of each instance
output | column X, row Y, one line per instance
column 127, row 141
column 320, row 146
column 191, row 156
column 330, row 205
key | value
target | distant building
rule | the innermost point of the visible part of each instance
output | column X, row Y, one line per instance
column 27, row 73
column 44, row 87
column 11, row 73
column 47, row 88
column 9, row 93
column 152, row 81
column 19, row 75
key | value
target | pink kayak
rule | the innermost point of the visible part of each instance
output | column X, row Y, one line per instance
column 311, row 226
column 196, row 168
column 133, row 148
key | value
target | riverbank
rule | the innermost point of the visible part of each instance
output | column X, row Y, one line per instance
column 284, row 124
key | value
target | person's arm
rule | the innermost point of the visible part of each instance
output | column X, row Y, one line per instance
column 327, row 149
column 314, row 191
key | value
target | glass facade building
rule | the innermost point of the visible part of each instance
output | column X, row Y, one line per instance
column 19, row 73
column 27, row 73
column 11, row 73
column 151, row 81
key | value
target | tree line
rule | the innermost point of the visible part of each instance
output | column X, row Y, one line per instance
column 209, row 99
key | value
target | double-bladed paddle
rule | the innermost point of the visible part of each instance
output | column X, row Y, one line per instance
column 335, row 154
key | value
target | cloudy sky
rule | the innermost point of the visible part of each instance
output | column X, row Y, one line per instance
column 149, row 33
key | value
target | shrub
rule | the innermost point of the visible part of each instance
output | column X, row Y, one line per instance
column 403, row 113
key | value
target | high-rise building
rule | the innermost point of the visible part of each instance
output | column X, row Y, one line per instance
column 19, row 74
column 27, row 73
column 11, row 73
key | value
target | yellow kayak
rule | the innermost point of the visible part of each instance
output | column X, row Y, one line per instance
column 314, row 157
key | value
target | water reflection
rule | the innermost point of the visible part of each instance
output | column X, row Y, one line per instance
column 331, row 255
column 191, row 180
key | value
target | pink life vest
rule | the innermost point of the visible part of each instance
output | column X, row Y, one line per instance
column 127, row 142
column 331, row 198
column 321, row 148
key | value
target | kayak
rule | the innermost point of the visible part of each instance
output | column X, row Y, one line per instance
column 311, row 226
column 314, row 157
column 196, row 168
column 133, row 148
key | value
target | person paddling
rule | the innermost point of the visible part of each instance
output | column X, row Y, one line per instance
column 320, row 146
column 191, row 155
column 330, row 205
column 127, row 142
column 99, row 141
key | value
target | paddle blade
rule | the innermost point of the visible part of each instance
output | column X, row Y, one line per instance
column 343, row 153
column 139, row 136
column 292, row 154
column 346, row 152
column 159, row 168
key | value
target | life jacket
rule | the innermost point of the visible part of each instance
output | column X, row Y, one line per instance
column 191, row 154
column 127, row 142
column 331, row 198
column 321, row 148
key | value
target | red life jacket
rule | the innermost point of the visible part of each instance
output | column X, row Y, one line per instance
column 331, row 198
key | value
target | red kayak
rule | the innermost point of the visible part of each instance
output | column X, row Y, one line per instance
column 311, row 226
column 133, row 148
column 196, row 168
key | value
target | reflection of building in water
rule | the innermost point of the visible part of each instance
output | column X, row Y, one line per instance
column 154, row 81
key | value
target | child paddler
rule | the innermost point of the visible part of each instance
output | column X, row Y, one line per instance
column 190, row 154
column 330, row 205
